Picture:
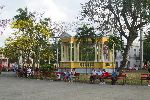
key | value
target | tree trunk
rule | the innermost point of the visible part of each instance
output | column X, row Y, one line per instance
column 125, row 55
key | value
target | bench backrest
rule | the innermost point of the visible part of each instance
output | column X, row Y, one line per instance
column 61, row 73
column 77, row 74
column 145, row 74
column 122, row 75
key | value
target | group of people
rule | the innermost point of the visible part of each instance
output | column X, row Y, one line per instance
column 102, row 74
column 27, row 71
column 67, row 75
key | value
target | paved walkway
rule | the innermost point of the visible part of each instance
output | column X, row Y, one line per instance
column 12, row 88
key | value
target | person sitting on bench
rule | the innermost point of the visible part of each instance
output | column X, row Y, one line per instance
column 104, row 75
column 114, row 75
column 93, row 76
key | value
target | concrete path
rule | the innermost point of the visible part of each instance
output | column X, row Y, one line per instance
column 12, row 88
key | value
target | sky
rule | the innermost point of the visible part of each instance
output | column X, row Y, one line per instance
column 57, row 10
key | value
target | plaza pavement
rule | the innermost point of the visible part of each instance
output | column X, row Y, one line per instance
column 13, row 88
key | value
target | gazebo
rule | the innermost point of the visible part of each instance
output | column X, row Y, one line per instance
column 72, row 57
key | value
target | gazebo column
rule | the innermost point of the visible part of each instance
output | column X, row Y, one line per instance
column 67, row 53
column 70, row 51
column 102, row 52
column 75, row 57
column 95, row 52
column 62, row 52
column 99, row 52
column 78, row 52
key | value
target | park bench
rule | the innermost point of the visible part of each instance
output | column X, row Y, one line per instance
column 60, row 75
column 144, row 76
column 76, row 76
column 120, row 77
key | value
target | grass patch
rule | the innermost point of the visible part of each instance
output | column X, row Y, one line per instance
column 133, row 78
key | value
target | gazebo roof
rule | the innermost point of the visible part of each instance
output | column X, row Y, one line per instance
column 65, row 35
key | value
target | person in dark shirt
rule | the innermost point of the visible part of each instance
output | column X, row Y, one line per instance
column 114, row 75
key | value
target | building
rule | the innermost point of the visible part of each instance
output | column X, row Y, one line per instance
column 3, row 60
column 72, row 57
column 133, row 56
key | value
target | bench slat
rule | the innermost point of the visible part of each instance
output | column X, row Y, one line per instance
column 144, row 76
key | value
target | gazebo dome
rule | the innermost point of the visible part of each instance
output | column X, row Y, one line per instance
column 65, row 35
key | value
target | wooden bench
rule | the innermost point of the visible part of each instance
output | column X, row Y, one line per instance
column 120, row 77
column 144, row 76
column 76, row 76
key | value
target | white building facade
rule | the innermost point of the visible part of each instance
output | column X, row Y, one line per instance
column 133, row 57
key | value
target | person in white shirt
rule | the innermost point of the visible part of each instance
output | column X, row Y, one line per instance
column 28, row 72
column 73, row 72
column 94, row 72
column 93, row 76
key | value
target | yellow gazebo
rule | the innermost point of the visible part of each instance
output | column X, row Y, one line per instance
column 71, row 55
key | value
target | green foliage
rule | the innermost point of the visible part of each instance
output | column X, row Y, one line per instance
column 86, row 37
column 115, row 41
column 31, row 37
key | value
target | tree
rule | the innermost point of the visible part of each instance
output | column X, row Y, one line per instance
column 126, row 17
column 86, row 37
column 11, row 50
column 115, row 42
column 31, row 35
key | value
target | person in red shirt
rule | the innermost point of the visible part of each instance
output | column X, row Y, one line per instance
column 104, row 75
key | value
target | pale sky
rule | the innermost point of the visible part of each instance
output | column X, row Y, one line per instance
column 57, row 10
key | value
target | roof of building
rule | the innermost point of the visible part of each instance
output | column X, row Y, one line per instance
column 65, row 35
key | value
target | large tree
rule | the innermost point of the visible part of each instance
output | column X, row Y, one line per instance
column 125, row 17
column 32, row 33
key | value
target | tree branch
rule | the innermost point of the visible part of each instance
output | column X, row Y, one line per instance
column 140, row 25
column 109, row 6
